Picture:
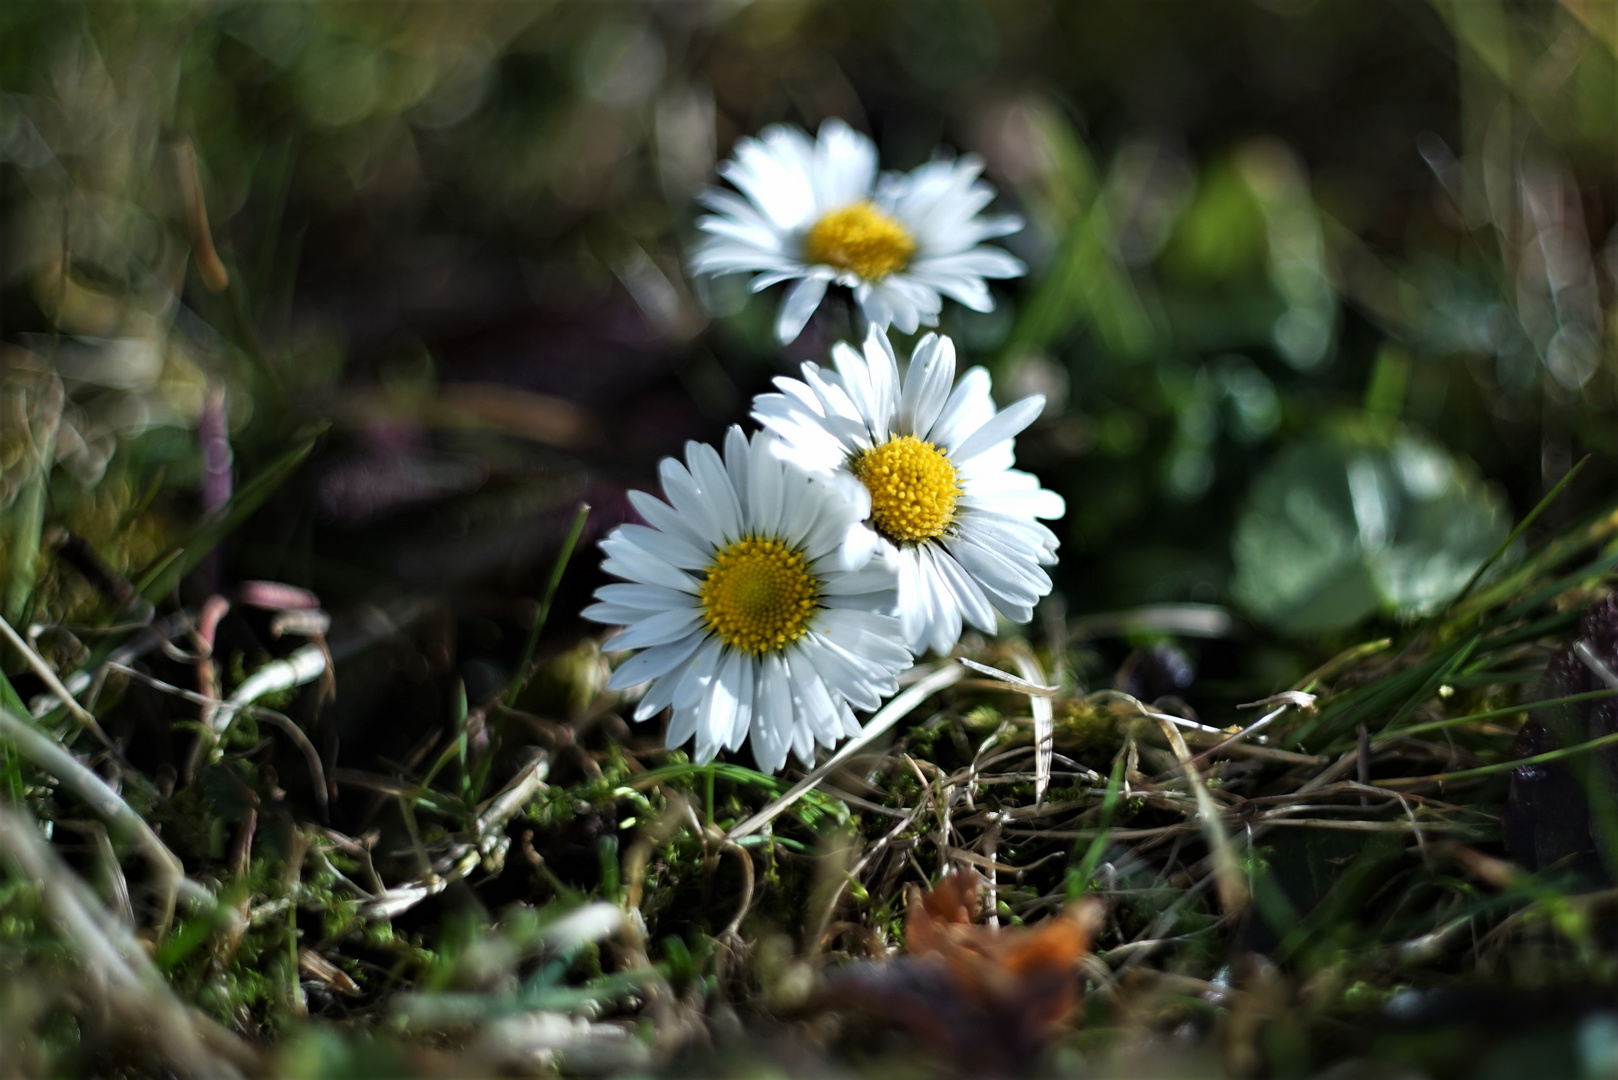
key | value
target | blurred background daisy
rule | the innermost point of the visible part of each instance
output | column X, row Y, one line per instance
column 816, row 213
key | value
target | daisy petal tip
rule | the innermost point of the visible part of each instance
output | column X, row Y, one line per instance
column 621, row 679
column 797, row 306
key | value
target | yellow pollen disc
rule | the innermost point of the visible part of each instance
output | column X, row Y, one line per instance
column 913, row 488
column 862, row 239
column 758, row 595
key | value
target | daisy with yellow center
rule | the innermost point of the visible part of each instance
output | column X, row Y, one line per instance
column 929, row 460
column 749, row 621
column 859, row 240
column 815, row 213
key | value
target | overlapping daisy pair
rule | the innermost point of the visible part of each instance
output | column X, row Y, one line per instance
column 790, row 582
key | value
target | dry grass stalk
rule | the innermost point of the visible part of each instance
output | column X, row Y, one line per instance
column 889, row 715
column 117, row 971
column 50, row 757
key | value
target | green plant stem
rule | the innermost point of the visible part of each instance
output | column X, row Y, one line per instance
column 1079, row 880
column 557, row 569
column 1522, row 527
column 1492, row 714
column 1500, row 766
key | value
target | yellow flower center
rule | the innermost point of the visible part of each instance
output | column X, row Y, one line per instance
column 758, row 595
column 861, row 239
column 913, row 488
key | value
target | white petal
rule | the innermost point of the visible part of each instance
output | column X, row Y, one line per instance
column 856, row 380
column 840, row 414
column 682, row 725
column 633, row 564
column 859, row 544
column 713, row 720
column 1038, row 503
column 885, row 388
column 663, row 517
column 978, row 262
column 800, row 508
column 698, row 674
column 736, row 248
column 851, row 726
column 974, row 606
column 914, row 614
column 647, row 598
column 796, row 308
column 773, row 171
column 1011, row 537
column 614, row 614
column 999, row 576
column 927, row 384
column 894, row 300
column 876, row 306
column 659, row 629
column 945, row 629
column 744, row 705
column 844, row 165
column 788, row 272
column 684, row 493
column 714, row 483
column 1005, row 425
column 844, row 679
column 743, row 218
column 817, row 708
column 764, row 487
column 653, row 663
column 658, row 696
column 874, row 637
column 671, row 548
column 877, row 575
column 831, row 524
column 968, row 408
column 882, row 603
column 803, row 740
column 724, row 697
column 772, row 715
column 736, row 452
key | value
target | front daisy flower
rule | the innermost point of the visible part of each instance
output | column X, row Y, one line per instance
column 815, row 212
column 743, row 606
column 930, row 461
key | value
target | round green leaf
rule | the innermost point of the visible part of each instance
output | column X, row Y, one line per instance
column 1347, row 523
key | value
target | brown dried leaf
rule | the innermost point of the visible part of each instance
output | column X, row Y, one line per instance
column 987, row 998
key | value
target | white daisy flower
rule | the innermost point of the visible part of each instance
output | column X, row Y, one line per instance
column 932, row 466
column 815, row 212
column 746, row 615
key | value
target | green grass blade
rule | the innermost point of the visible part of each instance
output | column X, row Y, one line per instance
column 167, row 571
column 557, row 569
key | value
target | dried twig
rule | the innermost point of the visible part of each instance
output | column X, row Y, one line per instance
column 1233, row 895
column 1287, row 699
